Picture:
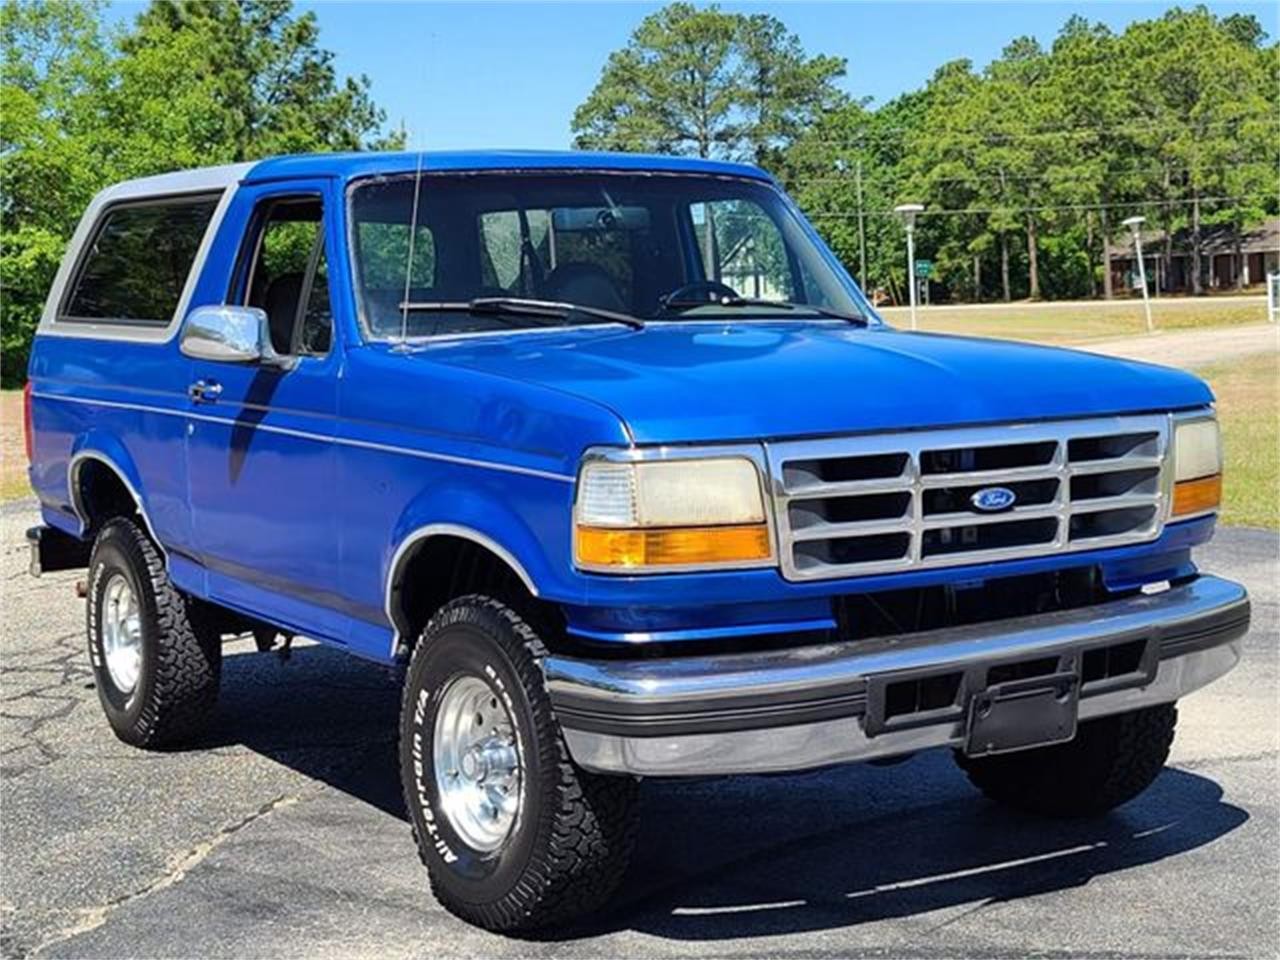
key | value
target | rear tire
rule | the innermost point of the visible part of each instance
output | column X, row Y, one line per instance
column 1110, row 761
column 561, row 841
column 157, row 662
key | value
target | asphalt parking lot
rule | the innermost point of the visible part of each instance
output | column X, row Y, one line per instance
column 283, row 834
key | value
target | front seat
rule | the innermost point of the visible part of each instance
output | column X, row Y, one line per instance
column 281, row 305
column 584, row 283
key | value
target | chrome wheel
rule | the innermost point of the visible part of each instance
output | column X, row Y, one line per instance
column 477, row 763
column 121, row 633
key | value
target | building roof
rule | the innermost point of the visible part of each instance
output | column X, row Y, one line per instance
column 1261, row 237
column 351, row 165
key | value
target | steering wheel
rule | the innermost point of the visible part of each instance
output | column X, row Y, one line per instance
column 699, row 290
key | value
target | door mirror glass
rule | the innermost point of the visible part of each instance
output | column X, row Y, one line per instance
column 230, row 334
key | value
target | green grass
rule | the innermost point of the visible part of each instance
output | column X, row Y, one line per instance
column 14, row 488
column 13, row 454
column 1080, row 323
column 1248, row 393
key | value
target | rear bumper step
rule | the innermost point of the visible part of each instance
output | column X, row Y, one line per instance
column 839, row 702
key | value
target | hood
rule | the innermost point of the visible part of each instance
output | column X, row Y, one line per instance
column 705, row 381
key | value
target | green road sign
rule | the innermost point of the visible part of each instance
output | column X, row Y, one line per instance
column 924, row 268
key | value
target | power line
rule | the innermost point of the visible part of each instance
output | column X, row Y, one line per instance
column 858, row 138
column 846, row 179
column 843, row 215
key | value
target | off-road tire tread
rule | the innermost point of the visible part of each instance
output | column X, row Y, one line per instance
column 590, row 831
column 1110, row 761
column 188, row 668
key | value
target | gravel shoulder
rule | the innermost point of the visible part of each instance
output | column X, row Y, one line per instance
column 1192, row 348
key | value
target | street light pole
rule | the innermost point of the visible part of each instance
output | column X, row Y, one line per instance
column 911, row 269
column 1135, row 224
column 908, row 211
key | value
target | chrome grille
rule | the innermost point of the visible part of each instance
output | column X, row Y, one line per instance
column 872, row 504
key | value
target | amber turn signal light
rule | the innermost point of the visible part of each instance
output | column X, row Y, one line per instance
column 602, row 547
column 1197, row 496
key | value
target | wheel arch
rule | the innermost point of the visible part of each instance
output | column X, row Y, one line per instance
column 117, row 484
column 430, row 556
column 485, row 524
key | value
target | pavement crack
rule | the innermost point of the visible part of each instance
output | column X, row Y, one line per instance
column 90, row 918
column 965, row 914
column 1203, row 762
column 54, row 685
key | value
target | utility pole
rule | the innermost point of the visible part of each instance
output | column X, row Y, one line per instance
column 862, row 235
column 1106, row 250
column 1135, row 224
column 1004, row 244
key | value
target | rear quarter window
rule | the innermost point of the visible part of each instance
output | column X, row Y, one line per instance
column 134, row 270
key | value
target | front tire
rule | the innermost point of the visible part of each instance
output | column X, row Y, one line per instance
column 1110, row 761
column 156, row 662
column 514, row 835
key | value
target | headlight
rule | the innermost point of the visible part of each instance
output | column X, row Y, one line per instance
column 1197, row 467
column 670, row 514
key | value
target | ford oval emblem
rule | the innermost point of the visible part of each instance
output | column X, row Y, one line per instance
column 993, row 499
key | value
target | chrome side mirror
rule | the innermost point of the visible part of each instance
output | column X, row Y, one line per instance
column 231, row 334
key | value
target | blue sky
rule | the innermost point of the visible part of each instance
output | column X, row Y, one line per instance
column 490, row 74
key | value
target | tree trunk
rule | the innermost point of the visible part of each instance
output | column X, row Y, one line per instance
column 704, row 115
column 1168, row 256
column 711, row 252
column 1197, row 282
column 1239, row 255
column 1033, row 264
column 1088, row 245
column 1168, row 227
column 1107, row 292
column 1004, row 266
column 977, row 278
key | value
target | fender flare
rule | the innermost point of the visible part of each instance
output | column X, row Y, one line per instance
column 458, row 512
column 89, row 450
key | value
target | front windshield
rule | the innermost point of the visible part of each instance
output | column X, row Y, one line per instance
column 655, row 246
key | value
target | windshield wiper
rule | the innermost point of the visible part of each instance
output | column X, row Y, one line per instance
column 524, row 307
column 678, row 305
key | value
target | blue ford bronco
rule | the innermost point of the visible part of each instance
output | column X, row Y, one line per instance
column 612, row 458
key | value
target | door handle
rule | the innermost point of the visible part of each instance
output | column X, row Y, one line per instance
column 205, row 391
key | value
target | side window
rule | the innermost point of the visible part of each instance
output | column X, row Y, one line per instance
column 137, row 266
column 501, row 249
column 317, row 320
column 741, row 246
column 287, row 275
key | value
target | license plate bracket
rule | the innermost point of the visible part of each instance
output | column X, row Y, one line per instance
column 1022, row 714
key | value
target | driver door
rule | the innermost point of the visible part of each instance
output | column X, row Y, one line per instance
column 261, row 459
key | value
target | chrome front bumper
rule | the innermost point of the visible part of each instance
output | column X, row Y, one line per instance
column 812, row 706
